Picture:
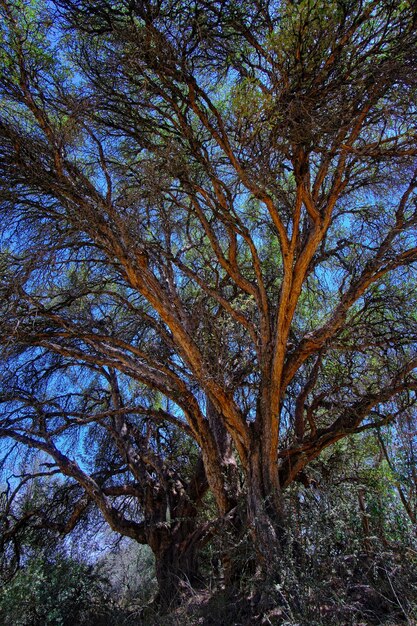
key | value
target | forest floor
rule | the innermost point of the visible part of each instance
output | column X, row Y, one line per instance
column 231, row 608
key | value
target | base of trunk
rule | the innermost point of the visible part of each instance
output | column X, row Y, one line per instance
column 176, row 571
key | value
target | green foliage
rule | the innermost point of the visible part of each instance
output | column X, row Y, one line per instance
column 56, row 592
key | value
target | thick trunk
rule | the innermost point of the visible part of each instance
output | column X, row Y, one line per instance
column 176, row 546
column 221, row 467
column 176, row 564
column 265, row 511
column 174, row 534
column 223, row 476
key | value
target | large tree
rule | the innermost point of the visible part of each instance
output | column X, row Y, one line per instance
column 209, row 237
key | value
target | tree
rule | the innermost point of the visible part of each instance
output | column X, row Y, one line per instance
column 209, row 216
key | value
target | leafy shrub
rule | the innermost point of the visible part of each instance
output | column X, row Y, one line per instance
column 58, row 591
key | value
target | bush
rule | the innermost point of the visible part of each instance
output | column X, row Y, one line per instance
column 58, row 591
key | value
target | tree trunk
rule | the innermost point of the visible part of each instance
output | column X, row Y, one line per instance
column 221, row 469
column 174, row 534
column 176, row 564
column 265, row 511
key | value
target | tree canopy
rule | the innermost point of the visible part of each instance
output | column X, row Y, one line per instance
column 208, row 255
